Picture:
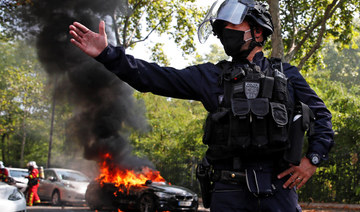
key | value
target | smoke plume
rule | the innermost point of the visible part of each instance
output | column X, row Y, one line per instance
column 102, row 103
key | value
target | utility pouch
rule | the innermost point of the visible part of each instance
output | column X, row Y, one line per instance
column 259, row 182
column 259, row 108
column 240, row 123
column 267, row 87
column 280, row 87
column 216, row 128
column 278, row 123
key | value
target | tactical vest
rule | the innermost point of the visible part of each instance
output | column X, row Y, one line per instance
column 253, row 114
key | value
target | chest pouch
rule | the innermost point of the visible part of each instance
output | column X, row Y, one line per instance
column 240, row 128
column 216, row 128
column 259, row 111
column 216, row 132
column 278, row 124
column 280, row 87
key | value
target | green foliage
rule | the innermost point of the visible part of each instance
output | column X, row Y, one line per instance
column 308, row 25
column 215, row 55
column 159, row 55
column 175, row 18
column 174, row 142
column 337, row 84
column 23, row 103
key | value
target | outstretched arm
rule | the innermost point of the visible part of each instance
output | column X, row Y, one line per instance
column 90, row 42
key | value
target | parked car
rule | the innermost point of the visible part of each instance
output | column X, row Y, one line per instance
column 18, row 175
column 150, row 197
column 11, row 199
column 61, row 186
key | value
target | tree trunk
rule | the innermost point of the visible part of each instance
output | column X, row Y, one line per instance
column 48, row 165
column 276, row 38
column 3, row 146
column 23, row 141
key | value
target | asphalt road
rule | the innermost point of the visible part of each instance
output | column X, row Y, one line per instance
column 45, row 208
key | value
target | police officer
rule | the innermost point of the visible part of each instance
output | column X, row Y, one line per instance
column 251, row 103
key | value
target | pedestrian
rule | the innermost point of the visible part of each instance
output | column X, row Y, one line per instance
column 259, row 109
column 4, row 173
column 33, row 184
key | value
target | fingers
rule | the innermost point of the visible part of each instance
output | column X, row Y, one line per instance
column 74, row 34
column 295, row 178
column 303, row 181
column 81, row 27
column 286, row 173
column 293, row 181
column 102, row 28
column 76, row 43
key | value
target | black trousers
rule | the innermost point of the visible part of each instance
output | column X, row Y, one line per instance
column 238, row 198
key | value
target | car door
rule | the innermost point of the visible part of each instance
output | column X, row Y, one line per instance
column 47, row 185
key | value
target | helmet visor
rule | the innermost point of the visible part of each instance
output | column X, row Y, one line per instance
column 233, row 11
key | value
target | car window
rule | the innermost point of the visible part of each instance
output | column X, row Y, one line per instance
column 72, row 176
column 18, row 173
column 49, row 173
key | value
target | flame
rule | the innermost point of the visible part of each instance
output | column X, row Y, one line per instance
column 125, row 178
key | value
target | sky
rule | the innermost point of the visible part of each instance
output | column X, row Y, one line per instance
column 177, row 60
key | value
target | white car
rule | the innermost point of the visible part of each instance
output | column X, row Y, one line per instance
column 11, row 199
column 63, row 186
column 18, row 175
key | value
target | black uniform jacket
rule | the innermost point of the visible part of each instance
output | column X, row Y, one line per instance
column 200, row 82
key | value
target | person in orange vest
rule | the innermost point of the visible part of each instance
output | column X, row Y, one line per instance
column 4, row 173
column 33, row 184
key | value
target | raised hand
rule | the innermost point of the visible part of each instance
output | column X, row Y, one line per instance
column 90, row 42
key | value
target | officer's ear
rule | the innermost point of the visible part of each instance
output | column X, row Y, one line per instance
column 258, row 32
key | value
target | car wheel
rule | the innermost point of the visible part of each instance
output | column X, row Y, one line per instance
column 55, row 198
column 147, row 203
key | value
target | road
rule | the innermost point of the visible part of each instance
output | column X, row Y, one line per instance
column 45, row 208
column 323, row 207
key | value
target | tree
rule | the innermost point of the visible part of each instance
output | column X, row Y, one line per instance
column 177, row 19
column 302, row 27
column 21, row 92
column 175, row 126
column 215, row 55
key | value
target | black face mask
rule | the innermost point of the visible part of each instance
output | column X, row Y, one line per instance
column 233, row 40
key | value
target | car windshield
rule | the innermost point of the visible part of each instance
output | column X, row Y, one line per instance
column 18, row 173
column 72, row 176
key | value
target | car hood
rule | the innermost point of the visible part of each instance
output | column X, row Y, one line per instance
column 172, row 189
column 6, row 190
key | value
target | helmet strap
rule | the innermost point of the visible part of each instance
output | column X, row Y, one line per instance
column 254, row 43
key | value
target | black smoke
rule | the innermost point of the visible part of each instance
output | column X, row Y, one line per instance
column 103, row 106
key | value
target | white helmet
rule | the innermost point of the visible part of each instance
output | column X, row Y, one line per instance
column 2, row 165
column 32, row 163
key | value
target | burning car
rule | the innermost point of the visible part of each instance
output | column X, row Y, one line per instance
column 152, row 196
column 143, row 190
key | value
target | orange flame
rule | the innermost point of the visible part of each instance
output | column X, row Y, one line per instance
column 127, row 178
